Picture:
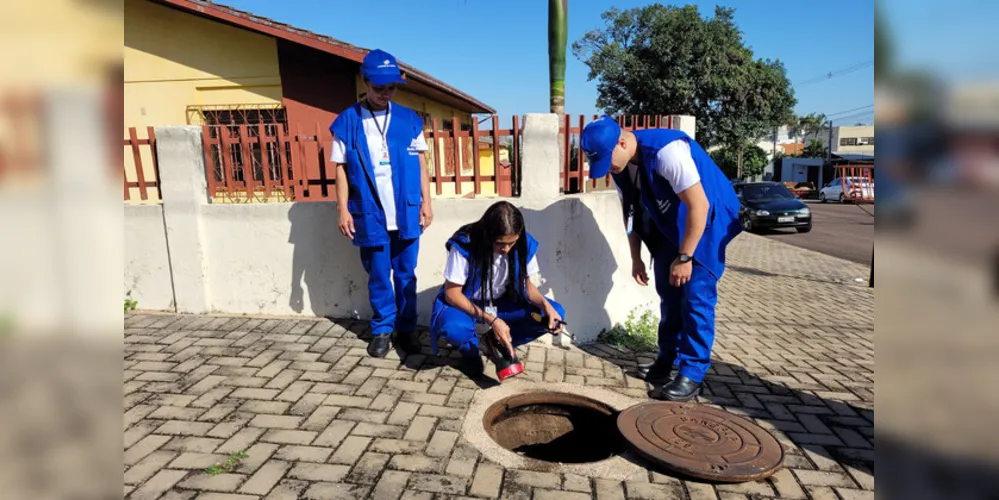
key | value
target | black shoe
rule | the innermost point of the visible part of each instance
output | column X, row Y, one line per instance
column 658, row 372
column 409, row 342
column 380, row 345
column 681, row 389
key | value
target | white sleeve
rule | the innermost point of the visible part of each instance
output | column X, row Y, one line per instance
column 456, row 268
column 420, row 143
column 532, row 267
column 338, row 152
column 675, row 164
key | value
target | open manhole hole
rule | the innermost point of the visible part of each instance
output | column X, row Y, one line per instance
column 554, row 427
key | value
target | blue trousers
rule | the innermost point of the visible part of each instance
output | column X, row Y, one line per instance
column 458, row 328
column 391, row 272
column 687, row 323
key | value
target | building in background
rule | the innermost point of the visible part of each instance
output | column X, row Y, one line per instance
column 193, row 62
column 851, row 144
column 855, row 140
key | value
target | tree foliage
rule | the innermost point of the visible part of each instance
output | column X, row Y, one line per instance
column 659, row 60
column 810, row 125
column 815, row 149
column 754, row 160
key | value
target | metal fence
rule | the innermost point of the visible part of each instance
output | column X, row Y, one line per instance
column 857, row 182
column 267, row 162
column 142, row 179
column 575, row 169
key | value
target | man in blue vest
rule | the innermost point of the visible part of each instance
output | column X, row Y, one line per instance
column 383, row 198
column 680, row 204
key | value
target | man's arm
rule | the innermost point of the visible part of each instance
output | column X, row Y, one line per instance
column 697, row 217
column 426, row 211
column 424, row 179
column 676, row 164
column 342, row 186
column 346, row 221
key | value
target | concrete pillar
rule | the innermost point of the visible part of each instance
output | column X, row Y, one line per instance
column 540, row 162
column 687, row 124
column 86, row 220
column 185, row 194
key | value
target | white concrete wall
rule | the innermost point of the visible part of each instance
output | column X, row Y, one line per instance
column 147, row 264
column 290, row 259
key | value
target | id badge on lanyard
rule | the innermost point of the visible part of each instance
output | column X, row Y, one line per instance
column 490, row 309
column 385, row 153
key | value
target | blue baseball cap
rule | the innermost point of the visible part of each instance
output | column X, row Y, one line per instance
column 380, row 68
column 598, row 141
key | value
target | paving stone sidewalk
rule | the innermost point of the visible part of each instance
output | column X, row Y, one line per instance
column 319, row 419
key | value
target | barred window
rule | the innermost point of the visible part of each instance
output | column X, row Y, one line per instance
column 227, row 119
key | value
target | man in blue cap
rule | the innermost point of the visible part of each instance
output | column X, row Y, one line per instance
column 383, row 198
column 681, row 205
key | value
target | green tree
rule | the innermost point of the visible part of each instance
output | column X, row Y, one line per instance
column 807, row 126
column 815, row 149
column 659, row 60
column 754, row 108
column 754, row 160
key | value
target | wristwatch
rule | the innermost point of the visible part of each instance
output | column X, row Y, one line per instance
column 684, row 258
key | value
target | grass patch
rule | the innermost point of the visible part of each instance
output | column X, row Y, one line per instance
column 229, row 464
column 639, row 333
column 129, row 303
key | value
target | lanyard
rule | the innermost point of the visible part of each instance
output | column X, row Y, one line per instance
column 636, row 193
column 381, row 131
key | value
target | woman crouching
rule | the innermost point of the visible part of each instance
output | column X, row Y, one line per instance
column 498, row 251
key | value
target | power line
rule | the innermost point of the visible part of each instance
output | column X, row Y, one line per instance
column 836, row 73
column 849, row 111
column 853, row 116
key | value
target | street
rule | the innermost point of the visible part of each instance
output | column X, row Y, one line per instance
column 841, row 230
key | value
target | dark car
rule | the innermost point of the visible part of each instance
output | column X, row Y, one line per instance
column 770, row 205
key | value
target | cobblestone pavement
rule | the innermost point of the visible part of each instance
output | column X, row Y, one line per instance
column 318, row 418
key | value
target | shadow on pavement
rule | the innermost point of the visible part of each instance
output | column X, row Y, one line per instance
column 767, row 274
column 425, row 360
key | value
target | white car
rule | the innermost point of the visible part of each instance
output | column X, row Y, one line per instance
column 858, row 187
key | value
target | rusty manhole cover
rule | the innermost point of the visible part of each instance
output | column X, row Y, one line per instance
column 701, row 442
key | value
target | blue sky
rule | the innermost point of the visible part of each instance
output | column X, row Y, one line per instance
column 497, row 50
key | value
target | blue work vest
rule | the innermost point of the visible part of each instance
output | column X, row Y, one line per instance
column 362, row 199
column 460, row 242
column 664, row 208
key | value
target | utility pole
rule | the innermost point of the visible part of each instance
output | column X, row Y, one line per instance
column 773, row 155
column 829, row 148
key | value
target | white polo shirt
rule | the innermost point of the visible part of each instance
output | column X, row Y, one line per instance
column 456, row 271
column 674, row 163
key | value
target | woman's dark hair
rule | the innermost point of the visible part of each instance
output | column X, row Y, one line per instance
column 501, row 219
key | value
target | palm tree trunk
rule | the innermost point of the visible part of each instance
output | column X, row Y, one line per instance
column 557, row 39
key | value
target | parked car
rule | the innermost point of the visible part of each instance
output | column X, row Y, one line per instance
column 856, row 187
column 770, row 205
